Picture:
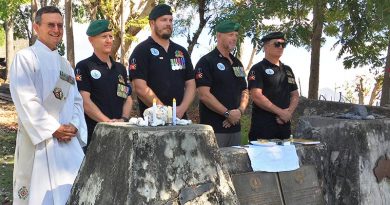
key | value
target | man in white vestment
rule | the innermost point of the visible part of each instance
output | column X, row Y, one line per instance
column 52, row 127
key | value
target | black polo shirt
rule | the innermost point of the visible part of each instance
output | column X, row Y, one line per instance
column 226, row 82
column 276, row 82
column 164, row 72
column 109, row 88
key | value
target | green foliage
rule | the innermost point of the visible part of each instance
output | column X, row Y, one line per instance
column 260, row 17
column 189, row 11
column 2, row 36
column 79, row 13
column 21, row 22
column 61, row 48
column 9, row 7
column 364, row 33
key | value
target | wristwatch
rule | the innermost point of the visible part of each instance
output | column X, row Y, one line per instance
column 125, row 119
column 227, row 113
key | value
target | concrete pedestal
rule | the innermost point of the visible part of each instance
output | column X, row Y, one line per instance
column 153, row 165
column 352, row 149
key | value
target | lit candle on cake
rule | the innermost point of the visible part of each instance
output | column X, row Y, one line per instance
column 174, row 111
column 154, row 109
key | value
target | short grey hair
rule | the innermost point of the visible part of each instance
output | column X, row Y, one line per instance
column 45, row 10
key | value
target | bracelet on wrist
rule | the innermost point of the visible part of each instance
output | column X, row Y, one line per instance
column 125, row 119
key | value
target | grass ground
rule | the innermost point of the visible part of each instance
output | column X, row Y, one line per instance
column 245, row 125
column 7, row 148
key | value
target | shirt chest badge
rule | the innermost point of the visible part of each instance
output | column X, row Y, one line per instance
column 154, row 51
column 291, row 80
column 121, row 79
column 122, row 91
column 95, row 74
column 221, row 66
column 289, row 73
column 58, row 93
column 239, row 71
column 179, row 54
column 65, row 77
column 178, row 63
column 269, row 71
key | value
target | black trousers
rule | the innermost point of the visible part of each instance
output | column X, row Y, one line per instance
column 269, row 129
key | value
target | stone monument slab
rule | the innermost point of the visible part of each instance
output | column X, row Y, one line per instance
column 301, row 187
column 257, row 188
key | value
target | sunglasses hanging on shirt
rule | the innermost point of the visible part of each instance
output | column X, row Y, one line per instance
column 278, row 44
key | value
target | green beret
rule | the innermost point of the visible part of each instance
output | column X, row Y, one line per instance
column 97, row 27
column 273, row 35
column 160, row 10
column 227, row 26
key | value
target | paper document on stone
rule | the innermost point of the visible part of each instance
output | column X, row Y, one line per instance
column 305, row 141
column 277, row 158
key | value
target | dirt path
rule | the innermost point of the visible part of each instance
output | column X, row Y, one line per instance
column 8, row 127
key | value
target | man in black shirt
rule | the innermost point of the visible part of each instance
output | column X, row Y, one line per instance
column 161, row 69
column 102, row 82
column 274, row 92
column 221, row 85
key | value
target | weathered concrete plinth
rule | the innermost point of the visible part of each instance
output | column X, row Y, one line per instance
column 352, row 149
column 144, row 165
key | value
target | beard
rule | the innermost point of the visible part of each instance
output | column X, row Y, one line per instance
column 230, row 48
column 164, row 35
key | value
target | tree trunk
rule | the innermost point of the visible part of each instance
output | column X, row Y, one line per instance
column 148, row 5
column 92, row 7
column 69, row 32
column 385, row 99
column 375, row 90
column 361, row 91
column 34, row 9
column 56, row 3
column 9, row 41
column 248, row 67
column 202, row 23
column 318, row 23
column 122, row 33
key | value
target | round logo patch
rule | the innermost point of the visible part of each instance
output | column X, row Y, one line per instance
column 154, row 51
column 221, row 66
column 269, row 71
column 96, row 74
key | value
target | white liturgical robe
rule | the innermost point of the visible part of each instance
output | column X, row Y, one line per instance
column 45, row 96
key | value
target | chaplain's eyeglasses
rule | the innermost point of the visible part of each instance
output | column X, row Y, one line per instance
column 278, row 44
column 60, row 26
